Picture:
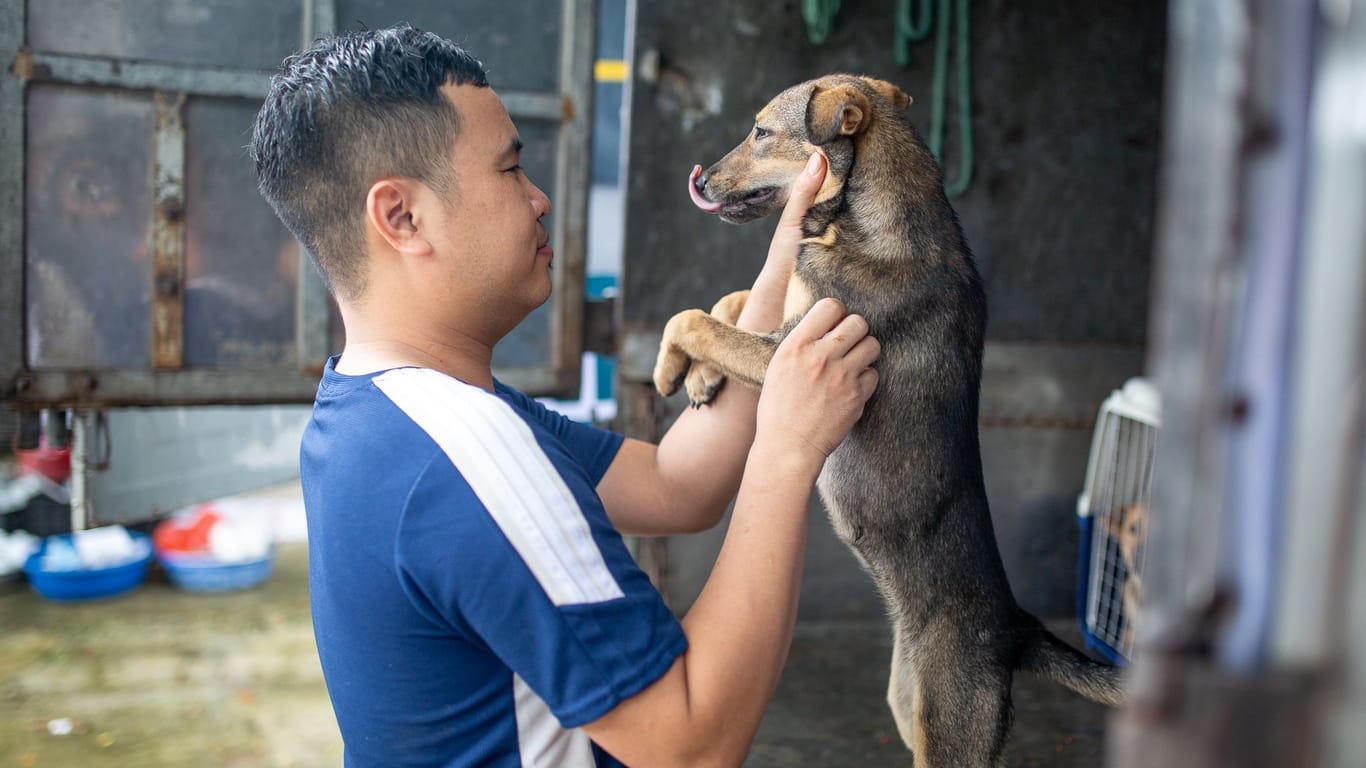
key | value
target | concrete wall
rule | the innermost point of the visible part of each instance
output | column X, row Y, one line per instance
column 1065, row 108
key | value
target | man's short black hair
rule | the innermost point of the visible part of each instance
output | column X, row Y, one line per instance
column 346, row 112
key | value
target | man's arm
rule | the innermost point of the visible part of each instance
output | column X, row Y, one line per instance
column 684, row 484
column 705, row 710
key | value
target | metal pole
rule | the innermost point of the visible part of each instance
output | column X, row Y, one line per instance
column 81, row 434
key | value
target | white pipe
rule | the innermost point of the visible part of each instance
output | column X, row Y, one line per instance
column 80, row 488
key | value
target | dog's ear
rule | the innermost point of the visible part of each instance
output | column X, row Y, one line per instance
column 899, row 98
column 841, row 110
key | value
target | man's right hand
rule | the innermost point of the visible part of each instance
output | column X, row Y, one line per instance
column 817, row 383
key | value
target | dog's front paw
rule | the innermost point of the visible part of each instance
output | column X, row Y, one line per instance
column 703, row 381
column 673, row 363
column 670, row 368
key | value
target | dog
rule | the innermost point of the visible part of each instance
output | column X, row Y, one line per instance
column 904, row 490
column 1128, row 526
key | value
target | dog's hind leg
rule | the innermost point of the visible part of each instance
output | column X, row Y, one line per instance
column 901, row 690
column 962, row 715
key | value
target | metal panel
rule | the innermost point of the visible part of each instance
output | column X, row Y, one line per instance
column 549, row 95
column 515, row 41
column 87, row 213
column 224, row 33
column 12, row 24
column 241, row 263
column 116, row 388
column 212, row 81
column 167, row 458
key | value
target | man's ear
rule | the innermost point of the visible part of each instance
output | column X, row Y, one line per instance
column 890, row 92
column 389, row 214
column 839, row 111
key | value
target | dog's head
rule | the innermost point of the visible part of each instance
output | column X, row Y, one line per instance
column 827, row 115
column 1129, row 527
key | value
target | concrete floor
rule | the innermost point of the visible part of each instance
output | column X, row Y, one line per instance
column 161, row 677
column 165, row 678
column 830, row 709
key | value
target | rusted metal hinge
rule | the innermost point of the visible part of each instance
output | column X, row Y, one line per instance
column 168, row 235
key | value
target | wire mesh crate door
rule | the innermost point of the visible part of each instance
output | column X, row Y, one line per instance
column 1119, row 479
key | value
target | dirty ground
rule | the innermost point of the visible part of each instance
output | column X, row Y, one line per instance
column 165, row 678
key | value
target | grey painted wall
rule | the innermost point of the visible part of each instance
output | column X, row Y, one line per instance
column 162, row 459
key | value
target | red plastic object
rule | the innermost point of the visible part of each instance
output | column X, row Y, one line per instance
column 187, row 534
column 52, row 463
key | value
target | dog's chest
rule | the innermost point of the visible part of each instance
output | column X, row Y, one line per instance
column 798, row 300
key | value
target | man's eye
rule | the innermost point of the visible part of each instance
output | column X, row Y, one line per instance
column 514, row 169
column 760, row 133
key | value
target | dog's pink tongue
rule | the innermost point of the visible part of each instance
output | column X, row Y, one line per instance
column 697, row 198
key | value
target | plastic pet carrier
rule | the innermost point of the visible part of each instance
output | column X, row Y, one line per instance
column 1113, row 514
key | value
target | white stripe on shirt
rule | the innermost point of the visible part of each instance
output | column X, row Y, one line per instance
column 497, row 454
column 541, row 742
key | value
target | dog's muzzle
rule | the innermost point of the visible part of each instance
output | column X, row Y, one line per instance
column 695, row 191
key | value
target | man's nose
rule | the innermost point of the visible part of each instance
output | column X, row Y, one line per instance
column 540, row 203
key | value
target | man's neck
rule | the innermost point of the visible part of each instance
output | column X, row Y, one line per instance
column 394, row 327
column 467, row 362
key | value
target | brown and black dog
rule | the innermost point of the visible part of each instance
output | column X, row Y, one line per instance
column 904, row 490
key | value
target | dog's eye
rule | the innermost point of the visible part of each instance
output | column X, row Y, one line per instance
column 760, row 133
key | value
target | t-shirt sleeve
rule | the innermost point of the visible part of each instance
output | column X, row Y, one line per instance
column 542, row 580
column 593, row 447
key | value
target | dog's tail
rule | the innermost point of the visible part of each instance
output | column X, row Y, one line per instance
column 1050, row 658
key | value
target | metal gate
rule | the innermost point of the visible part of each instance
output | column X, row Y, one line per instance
column 141, row 267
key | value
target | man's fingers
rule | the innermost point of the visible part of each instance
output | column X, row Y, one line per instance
column 867, row 382
column 822, row 318
column 803, row 192
column 865, row 352
column 850, row 331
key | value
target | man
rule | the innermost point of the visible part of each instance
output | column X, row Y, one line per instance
column 473, row 602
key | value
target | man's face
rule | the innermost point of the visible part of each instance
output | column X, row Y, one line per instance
column 499, row 252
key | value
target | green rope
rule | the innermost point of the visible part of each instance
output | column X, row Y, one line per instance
column 964, row 57
column 820, row 17
column 909, row 30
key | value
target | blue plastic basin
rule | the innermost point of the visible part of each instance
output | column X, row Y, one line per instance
column 202, row 573
column 87, row 583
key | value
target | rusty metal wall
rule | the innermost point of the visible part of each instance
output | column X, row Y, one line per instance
column 113, row 300
column 1066, row 106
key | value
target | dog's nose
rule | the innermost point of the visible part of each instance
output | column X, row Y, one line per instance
column 701, row 182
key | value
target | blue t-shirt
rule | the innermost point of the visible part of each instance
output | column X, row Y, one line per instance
column 472, row 604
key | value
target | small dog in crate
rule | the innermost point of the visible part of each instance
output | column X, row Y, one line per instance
column 904, row 490
column 1128, row 526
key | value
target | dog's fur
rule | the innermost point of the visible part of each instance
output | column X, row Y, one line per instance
column 904, row 490
column 1128, row 526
